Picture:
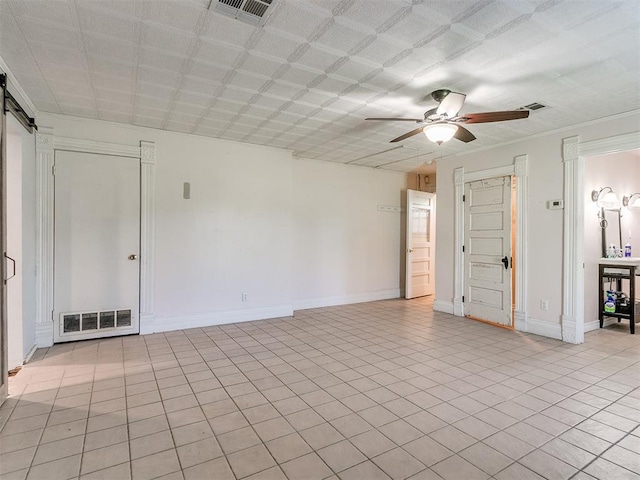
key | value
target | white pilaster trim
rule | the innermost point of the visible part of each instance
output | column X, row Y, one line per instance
column 573, row 239
column 44, row 237
column 147, row 232
column 458, row 288
column 521, row 171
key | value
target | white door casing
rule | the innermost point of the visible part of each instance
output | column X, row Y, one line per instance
column 97, row 242
column 488, row 253
column 46, row 144
column 420, row 240
column 519, row 169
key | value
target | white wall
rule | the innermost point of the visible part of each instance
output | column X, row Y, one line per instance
column 544, row 242
column 345, row 250
column 287, row 232
column 621, row 172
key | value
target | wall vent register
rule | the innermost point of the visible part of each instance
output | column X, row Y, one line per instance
column 78, row 322
column 248, row 11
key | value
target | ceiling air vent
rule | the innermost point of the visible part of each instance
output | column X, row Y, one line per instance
column 248, row 11
column 534, row 106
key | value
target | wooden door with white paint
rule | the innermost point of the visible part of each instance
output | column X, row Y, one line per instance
column 97, row 242
column 487, row 210
column 420, row 244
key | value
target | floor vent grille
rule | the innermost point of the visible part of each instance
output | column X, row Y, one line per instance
column 79, row 322
column 248, row 11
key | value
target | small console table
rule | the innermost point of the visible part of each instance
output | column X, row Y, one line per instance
column 619, row 269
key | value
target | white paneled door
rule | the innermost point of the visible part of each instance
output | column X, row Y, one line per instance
column 420, row 244
column 487, row 210
column 97, row 242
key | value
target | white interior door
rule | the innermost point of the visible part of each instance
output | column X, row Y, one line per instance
column 487, row 210
column 420, row 244
column 97, row 241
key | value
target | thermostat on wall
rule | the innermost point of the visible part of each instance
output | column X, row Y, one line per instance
column 555, row 204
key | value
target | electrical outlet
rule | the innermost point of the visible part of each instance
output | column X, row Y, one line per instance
column 244, row 296
column 544, row 305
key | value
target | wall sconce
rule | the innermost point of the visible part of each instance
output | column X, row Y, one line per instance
column 631, row 201
column 606, row 198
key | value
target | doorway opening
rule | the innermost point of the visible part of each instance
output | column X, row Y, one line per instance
column 617, row 226
column 518, row 170
column 420, row 251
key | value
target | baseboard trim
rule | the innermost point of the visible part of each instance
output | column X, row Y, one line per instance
column 545, row 329
column 44, row 334
column 159, row 324
column 346, row 299
column 520, row 319
column 595, row 324
column 30, row 354
column 443, row 306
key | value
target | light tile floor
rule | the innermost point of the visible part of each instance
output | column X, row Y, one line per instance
column 359, row 392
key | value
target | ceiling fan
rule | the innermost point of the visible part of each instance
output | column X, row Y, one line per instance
column 442, row 123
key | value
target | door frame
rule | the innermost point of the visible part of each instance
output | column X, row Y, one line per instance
column 574, row 155
column 46, row 145
column 519, row 169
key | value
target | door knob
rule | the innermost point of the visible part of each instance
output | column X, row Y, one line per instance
column 505, row 262
column 133, row 256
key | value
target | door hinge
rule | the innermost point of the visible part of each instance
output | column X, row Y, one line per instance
column 464, row 198
column 462, row 298
column 463, row 248
column 53, row 170
column 52, row 316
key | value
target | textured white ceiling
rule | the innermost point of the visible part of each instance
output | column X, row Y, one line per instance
column 306, row 79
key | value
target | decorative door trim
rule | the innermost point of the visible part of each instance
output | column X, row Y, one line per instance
column 46, row 145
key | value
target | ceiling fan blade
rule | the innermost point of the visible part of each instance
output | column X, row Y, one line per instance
column 407, row 135
column 397, row 119
column 487, row 117
column 451, row 104
column 464, row 135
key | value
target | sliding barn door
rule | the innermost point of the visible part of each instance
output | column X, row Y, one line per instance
column 3, row 245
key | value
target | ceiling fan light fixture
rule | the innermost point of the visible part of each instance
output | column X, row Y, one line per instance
column 440, row 132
